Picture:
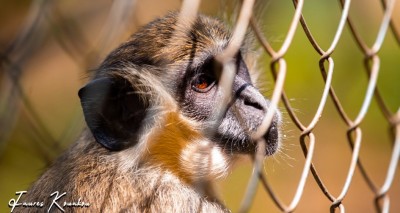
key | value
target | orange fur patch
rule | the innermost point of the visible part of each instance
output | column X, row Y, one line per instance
column 168, row 142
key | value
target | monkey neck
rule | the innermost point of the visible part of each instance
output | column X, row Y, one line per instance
column 183, row 151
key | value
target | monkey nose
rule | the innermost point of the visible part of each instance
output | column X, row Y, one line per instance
column 253, row 100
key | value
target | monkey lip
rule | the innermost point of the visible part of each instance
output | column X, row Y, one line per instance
column 271, row 138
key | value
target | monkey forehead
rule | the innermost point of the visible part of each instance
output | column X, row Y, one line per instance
column 156, row 44
column 197, row 41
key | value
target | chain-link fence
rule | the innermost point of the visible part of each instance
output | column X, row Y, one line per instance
column 49, row 38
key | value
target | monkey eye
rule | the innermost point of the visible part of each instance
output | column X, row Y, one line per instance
column 203, row 83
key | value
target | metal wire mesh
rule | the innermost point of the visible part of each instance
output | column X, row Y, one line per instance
column 44, row 18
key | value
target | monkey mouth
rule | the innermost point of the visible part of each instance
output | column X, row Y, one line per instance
column 243, row 144
column 271, row 138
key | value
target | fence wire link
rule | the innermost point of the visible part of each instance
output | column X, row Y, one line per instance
column 44, row 18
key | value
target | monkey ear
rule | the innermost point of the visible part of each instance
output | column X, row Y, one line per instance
column 113, row 112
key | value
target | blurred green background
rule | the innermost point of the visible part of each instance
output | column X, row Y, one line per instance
column 72, row 37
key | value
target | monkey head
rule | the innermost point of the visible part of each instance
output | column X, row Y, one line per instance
column 118, row 103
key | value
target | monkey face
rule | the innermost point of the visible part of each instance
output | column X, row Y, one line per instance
column 242, row 116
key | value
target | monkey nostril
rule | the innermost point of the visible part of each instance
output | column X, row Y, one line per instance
column 253, row 104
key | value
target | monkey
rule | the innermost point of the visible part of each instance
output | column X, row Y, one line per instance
column 145, row 148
